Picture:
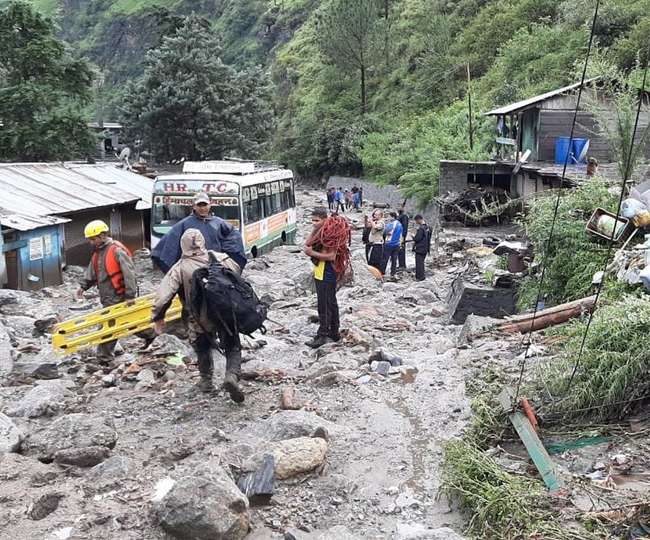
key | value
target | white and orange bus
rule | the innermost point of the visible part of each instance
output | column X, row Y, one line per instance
column 258, row 198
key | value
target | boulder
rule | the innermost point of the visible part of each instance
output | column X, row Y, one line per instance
column 44, row 399
column 20, row 326
column 44, row 505
column 75, row 439
column 113, row 469
column 204, row 505
column 10, row 435
column 168, row 345
column 290, row 425
column 43, row 366
column 297, row 456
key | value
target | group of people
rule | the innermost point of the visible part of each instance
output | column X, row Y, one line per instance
column 340, row 200
column 187, row 247
column 385, row 238
column 200, row 238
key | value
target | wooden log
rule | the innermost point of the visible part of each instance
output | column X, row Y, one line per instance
column 548, row 317
column 288, row 399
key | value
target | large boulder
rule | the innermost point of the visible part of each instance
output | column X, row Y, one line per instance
column 292, row 457
column 20, row 326
column 75, row 439
column 292, row 424
column 43, row 399
column 203, row 505
column 10, row 435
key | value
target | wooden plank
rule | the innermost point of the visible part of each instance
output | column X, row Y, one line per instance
column 531, row 441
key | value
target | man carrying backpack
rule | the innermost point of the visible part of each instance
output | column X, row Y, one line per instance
column 201, row 328
column 327, row 246
column 421, row 246
column 111, row 269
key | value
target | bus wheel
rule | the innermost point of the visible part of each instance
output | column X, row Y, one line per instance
column 254, row 252
column 284, row 237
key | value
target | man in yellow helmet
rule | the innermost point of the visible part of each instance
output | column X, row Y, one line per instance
column 111, row 269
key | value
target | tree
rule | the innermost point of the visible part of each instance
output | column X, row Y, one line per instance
column 42, row 91
column 190, row 104
column 350, row 37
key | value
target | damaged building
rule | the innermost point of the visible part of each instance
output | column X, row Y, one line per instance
column 532, row 142
column 45, row 207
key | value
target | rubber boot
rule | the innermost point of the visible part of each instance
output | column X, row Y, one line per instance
column 205, row 369
column 318, row 341
column 231, row 380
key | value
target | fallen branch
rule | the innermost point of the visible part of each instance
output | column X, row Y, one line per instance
column 548, row 317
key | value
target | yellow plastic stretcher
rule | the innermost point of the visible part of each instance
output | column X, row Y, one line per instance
column 108, row 324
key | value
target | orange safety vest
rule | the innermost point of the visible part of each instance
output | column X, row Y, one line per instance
column 113, row 268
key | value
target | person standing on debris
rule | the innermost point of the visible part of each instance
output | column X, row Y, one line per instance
column 365, row 236
column 330, row 199
column 201, row 329
column 421, row 246
column 393, row 240
column 112, row 270
column 403, row 218
column 339, row 197
column 376, row 239
column 327, row 246
column 219, row 235
column 348, row 199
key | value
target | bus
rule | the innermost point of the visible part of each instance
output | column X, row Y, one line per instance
column 257, row 198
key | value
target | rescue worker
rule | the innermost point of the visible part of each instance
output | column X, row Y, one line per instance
column 200, row 328
column 403, row 218
column 111, row 269
column 325, row 278
column 219, row 235
column 392, row 242
column 421, row 246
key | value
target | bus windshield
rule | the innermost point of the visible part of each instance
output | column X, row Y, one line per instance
column 169, row 210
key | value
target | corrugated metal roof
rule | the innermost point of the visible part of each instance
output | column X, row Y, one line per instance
column 21, row 222
column 527, row 103
column 45, row 189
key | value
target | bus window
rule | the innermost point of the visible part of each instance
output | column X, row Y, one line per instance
column 253, row 211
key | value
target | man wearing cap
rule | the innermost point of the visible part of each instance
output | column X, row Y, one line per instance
column 219, row 236
column 111, row 269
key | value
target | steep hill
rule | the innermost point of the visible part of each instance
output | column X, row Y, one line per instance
column 415, row 77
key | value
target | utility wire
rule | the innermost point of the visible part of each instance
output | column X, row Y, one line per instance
column 626, row 177
column 557, row 201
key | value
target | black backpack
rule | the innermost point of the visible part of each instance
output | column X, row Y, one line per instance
column 229, row 300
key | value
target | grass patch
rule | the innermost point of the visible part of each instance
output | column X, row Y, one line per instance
column 614, row 373
column 573, row 256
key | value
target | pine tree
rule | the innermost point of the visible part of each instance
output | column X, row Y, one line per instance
column 190, row 104
column 351, row 37
column 42, row 91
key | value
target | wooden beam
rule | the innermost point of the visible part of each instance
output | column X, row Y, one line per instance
column 531, row 441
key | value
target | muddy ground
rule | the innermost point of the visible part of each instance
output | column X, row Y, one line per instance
column 380, row 477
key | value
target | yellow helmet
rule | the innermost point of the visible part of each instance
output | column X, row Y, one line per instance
column 95, row 228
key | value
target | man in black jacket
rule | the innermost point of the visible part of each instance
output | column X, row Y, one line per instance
column 403, row 218
column 421, row 246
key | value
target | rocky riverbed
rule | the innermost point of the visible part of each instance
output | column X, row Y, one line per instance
column 130, row 450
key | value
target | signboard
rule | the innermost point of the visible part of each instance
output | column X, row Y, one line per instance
column 507, row 141
column 189, row 201
column 192, row 187
column 36, row 248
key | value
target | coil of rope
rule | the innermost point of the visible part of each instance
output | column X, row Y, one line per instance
column 334, row 235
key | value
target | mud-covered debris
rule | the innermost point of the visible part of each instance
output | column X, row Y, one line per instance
column 80, row 439
column 418, row 531
column 204, row 505
column 43, row 367
column 112, row 470
column 10, row 435
column 146, row 379
column 382, row 368
column 44, row 506
column 259, row 485
column 335, row 533
column 43, row 400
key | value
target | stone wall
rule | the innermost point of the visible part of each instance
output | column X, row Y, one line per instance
column 384, row 194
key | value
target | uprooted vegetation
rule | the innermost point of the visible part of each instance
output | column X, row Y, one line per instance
column 581, row 398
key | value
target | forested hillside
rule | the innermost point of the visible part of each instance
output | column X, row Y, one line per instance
column 378, row 86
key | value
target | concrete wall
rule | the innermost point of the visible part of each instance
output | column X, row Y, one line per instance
column 384, row 194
